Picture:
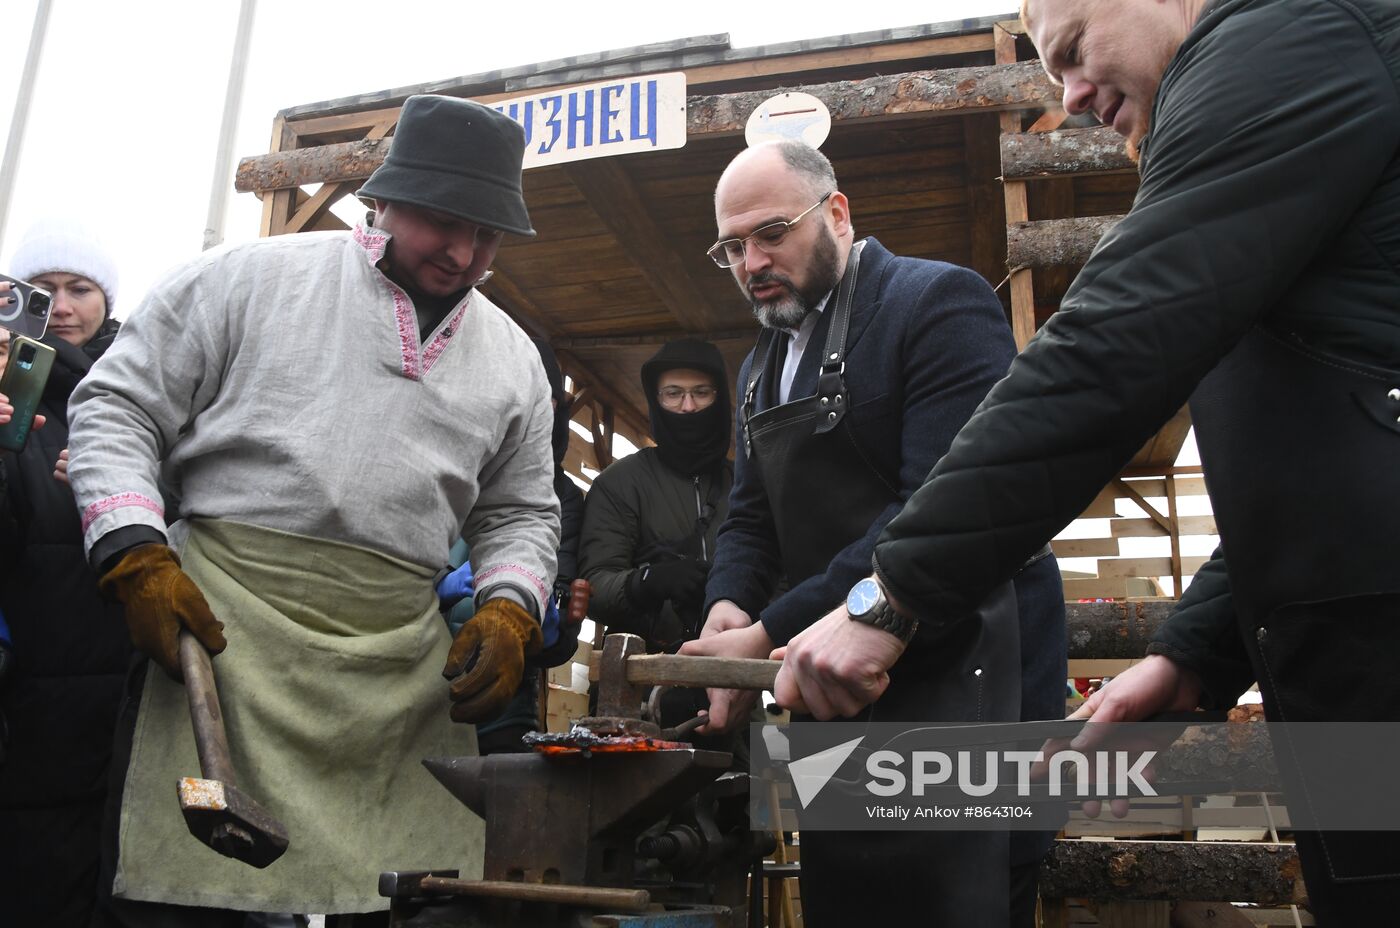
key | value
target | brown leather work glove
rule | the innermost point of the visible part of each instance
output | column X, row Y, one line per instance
column 160, row 599
column 487, row 659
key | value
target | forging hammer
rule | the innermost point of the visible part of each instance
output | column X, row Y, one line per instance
column 216, row 811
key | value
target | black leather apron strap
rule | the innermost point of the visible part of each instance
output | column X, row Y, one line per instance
column 831, row 385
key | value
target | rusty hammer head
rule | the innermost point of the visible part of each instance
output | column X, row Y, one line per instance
column 219, row 815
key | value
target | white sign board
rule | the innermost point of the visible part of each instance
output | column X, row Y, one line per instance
column 630, row 114
column 793, row 116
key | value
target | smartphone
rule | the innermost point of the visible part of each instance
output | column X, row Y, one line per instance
column 23, row 382
column 29, row 313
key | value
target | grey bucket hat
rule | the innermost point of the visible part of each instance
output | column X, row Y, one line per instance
column 457, row 157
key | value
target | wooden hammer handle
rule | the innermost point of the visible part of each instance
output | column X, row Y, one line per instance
column 631, row 900
column 739, row 673
column 210, row 740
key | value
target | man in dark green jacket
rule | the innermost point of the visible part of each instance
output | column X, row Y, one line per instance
column 1256, row 275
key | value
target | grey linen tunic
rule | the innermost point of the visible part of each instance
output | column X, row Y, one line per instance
column 281, row 383
column 325, row 461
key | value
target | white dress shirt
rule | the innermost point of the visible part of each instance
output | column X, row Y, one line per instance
column 797, row 343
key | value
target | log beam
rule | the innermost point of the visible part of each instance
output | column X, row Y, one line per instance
column 1268, row 874
column 990, row 88
column 323, row 164
column 1065, row 151
column 1055, row 242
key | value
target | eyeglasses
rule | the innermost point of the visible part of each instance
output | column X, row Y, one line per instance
column 731, row 251
column 674, row 397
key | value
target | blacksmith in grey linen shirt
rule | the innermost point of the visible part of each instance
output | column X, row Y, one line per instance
column 326, row 451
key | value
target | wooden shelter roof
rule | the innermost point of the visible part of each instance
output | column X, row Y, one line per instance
column 619, row 263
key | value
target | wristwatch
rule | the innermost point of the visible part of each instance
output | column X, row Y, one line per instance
column 866, row 603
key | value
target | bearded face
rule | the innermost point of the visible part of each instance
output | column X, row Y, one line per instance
column 782, row 302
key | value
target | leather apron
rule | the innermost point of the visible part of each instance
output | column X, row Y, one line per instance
column 1301, row 451
column 824, row 493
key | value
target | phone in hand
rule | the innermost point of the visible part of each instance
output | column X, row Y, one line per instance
column 23, row 383
column 29, row 313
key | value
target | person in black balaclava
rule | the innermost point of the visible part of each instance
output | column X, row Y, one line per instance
column 650, row 519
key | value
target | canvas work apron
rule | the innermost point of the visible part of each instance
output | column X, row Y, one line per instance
column 332, row 694
column 825, row 493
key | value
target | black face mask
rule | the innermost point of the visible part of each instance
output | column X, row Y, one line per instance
column 694, row 442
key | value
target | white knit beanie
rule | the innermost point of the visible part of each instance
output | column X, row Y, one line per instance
column 64, row 245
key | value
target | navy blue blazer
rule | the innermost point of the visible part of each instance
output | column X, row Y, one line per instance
column 927, row 341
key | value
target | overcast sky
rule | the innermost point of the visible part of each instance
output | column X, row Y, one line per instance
column 124, row 122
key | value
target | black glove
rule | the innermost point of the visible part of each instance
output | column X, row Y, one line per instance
column 566, row 643
column 682, row 581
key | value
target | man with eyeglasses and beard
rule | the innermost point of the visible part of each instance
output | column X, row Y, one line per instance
column 867, row 366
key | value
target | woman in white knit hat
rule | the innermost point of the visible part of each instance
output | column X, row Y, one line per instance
column 67, row 259
column 70, row 647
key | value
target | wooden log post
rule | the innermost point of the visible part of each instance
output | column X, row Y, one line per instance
column 1017, row 203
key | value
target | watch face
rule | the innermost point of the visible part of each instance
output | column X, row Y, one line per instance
column 863, row 597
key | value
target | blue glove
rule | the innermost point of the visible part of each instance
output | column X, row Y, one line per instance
column 550, row 625
column 456, row 587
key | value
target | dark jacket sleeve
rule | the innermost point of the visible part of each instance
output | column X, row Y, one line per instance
column 1203, row 635
column 608, row 536
column 570, row 526
column 948, row 337
column 1268, row 136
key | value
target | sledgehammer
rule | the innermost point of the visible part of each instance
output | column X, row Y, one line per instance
column 216, row 811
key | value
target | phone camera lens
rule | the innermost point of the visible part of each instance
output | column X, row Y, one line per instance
column 39, row 304
column 26, row 354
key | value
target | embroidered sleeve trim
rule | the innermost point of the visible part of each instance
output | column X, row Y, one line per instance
column 103, row 506
column 536, row 582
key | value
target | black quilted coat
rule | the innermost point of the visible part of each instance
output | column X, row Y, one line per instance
column 70, row 654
